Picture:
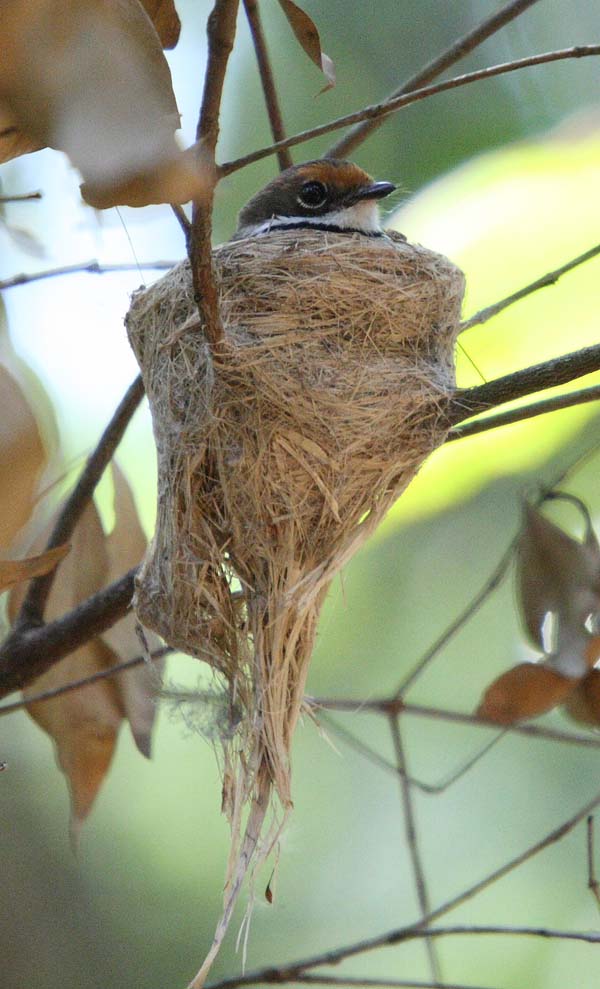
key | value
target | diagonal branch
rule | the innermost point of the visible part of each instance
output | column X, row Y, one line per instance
column 32, row 609
column 380, row 110
column 87, row 267
column 221, row 33
column 360, row 132
column 412, row 842
column 550, row 278
column 544, row 406
column 29, row 652
column 467, row 402
column 267, row 79
column 289, row 973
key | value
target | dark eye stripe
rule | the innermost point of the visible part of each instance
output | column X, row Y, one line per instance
column 312, row 195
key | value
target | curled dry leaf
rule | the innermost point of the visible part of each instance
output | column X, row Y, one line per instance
column 163, row 15
column 84, row 723
column 22, row 458
column 583, row 704
column 14, row 571
column 307, row 34
column 89, row 77
column 524, row 692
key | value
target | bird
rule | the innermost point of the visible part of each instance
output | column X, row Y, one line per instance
column 324, row 194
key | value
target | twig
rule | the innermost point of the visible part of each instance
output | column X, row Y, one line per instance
column 20, row 198
column 360, row 132
column 32, row 609
column 593, row 884
column 289, row 973
column 379, row 110
column 412, row 841
column 468, row 402
column 543, row 407
column 550, row 278
column 464, row 616
column 267, row 79
column 88, row 267
column 29, row 652
column 106, row 674
column 180, row 215
column 386, row 705
column 220, row 30
column 347, row 980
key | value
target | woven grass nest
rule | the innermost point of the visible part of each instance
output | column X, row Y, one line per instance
column 277, row 459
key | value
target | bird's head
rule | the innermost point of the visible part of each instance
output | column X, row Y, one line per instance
column 326, row 194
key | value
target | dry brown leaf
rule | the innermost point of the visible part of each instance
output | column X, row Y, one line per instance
column 99, row 88
column 524, row 692
column 84, row 723
column 14, row 571
column 163, row 15
column 307, row 34
column 22, row 458
column 583, row 705
column 125, row 548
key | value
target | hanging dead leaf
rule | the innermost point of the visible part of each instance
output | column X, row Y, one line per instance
column 307, row 34
column 524, row 692
column 99, row 88
column 125, row 548
column 14, row 571
column 163, row 15
column 22, row 458
column 583, row 705
column 84, row 723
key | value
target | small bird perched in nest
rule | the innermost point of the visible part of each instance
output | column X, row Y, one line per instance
column 326, row 194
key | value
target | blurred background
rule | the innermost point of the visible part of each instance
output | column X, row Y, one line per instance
column 502, row 176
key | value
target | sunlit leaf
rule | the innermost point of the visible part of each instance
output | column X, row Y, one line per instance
column 307, row 34
column 14, row 571
column 524, row 692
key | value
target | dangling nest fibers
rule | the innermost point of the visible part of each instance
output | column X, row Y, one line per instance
column 279, row 457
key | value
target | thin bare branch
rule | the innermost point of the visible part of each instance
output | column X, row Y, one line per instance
column 543, row 407
column 588, row 937
column 347, row 980
column 181, row 217
column 468, row 402
column 267, row 79
column 32, row 609
column 67, row 688
column 29, row 652
column 87, row 267
column 290, row 973
column 485, row 29
column 410, row 827
column 220, row 30
column 379, row 110
column 593, row 884
column 23, row 197
column 550, row 278
column 384, row 706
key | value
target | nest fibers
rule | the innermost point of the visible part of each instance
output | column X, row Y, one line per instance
column 277, row 457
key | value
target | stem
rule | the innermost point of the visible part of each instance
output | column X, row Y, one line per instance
column 267, row 79
column 360, row 132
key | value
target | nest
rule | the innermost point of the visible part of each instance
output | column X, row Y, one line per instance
column 278, row 456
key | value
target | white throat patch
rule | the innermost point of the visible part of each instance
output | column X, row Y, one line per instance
column 363, row 217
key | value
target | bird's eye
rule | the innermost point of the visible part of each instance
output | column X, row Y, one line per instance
column 312, row 195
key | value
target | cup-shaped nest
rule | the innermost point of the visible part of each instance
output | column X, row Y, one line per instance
column 279, row 455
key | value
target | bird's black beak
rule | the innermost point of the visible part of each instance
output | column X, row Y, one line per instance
column 378, row 190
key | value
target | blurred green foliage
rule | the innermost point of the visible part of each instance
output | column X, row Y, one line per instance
column 138, row 907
